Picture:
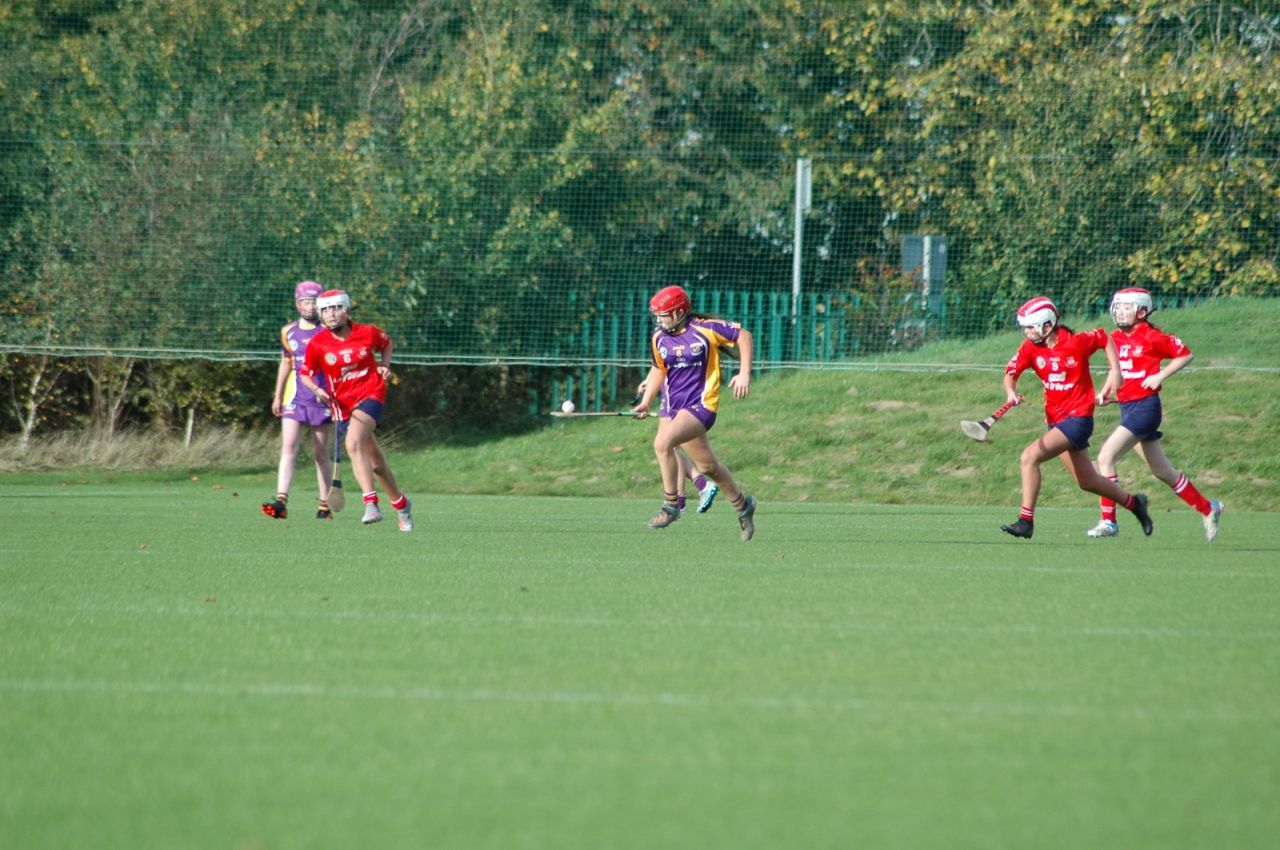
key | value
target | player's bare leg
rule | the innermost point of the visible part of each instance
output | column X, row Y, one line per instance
column 687, row 432
column 1151, row 452
column 360, row 430
column 1211, row 510
column 382, row 471
column 290, row 439
column 1115, row 447
column 1049, row 445
column 323, row 457
column 698, row 448
column 1088, row 478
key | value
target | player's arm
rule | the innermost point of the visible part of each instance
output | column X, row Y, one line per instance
column 741, row 382
column 1153, row 382
column 1113, row 381
column 282, row 376
column 384, row 360
column 1012, row 370
column 652, row 384
column 310, row 365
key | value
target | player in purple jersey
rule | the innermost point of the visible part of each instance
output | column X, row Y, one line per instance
column 298, row 408
column 686, row 369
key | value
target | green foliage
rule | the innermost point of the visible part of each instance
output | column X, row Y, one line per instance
column 469, row 169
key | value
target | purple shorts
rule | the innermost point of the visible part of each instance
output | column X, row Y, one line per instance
column 313, row 414
column 706, row 417
column 1078, row 430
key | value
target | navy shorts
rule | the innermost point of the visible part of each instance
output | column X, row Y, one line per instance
column 1143, row 417
column 372, row 407
column 706, row 417
column 1078, row 430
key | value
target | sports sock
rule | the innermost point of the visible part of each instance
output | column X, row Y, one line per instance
column 739, row 502
column 400, row 503
column 1128, row 502
column 1029, row 514
column 671, row 501
column 1187, row 492
column 282, row 497
column 681, row 502
column 324, row 505
column 700, row 481
column 371, row 498
column 1108, row 506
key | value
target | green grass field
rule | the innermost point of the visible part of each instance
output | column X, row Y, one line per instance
column 522, row 672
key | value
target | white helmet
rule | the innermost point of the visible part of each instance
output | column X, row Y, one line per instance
column 1139, row 298
column 1036, row 312
column 333, row 298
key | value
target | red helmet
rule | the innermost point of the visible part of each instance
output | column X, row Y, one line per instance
column 671, row 299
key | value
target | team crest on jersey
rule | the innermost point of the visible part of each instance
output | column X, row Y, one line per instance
column 662, row 351
column 1137, row 351
column 1071, row 362
column 696, row 349
column 293, row 344
column 364, row 352
column 1039, row 362
column 331, row 358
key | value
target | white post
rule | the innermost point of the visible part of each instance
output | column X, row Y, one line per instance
column 804, row 199
column 926, row 269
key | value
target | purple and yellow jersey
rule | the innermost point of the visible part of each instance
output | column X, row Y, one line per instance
column 294, row 340
column 690, row 363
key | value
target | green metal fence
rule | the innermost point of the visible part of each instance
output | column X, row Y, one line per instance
column 605, row 354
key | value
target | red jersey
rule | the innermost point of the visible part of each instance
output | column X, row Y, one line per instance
column 1064, row 371
column 1141, row 351
column 350, row 365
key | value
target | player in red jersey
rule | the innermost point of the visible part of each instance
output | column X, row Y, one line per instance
column 1060, row 358
column 356, row 359
column 1142, row 347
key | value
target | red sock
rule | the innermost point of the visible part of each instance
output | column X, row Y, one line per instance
column 1188, row 493
column 1029, row 514
column 399, row 504
column 1108, row 506
column 371, row 498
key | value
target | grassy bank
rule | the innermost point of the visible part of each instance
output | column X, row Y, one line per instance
column 885, row 433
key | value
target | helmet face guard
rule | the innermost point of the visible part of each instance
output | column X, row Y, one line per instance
column 672, row 301
column 1035, row 314
column 1140, row 299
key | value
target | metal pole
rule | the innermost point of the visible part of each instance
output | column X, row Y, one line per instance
column 804, row 197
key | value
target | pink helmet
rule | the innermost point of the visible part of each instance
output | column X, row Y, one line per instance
column 1036, row 312
column 669, row 300
column 307, row 289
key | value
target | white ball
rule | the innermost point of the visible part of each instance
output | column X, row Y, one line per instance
column 567, row 407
